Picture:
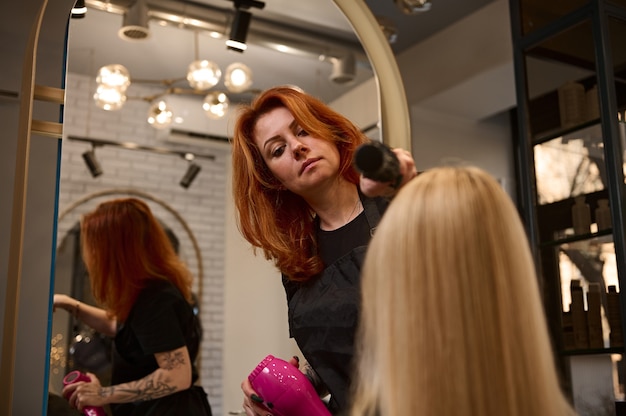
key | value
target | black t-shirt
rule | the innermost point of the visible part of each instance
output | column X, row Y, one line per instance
column 323, row 312
column 160, row 320
column 337, row 243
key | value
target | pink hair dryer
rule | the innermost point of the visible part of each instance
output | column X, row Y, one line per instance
column 285, row 390
column 75, row 377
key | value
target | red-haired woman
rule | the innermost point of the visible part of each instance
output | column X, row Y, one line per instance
column 298, row 200
column 145, row 292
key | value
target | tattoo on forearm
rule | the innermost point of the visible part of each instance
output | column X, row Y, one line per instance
column 148, row 388
column 172, row 360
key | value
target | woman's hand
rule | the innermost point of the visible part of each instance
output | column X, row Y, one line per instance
column 64, row 302
column 408, row 171
column 252, row 402
column 85, row 393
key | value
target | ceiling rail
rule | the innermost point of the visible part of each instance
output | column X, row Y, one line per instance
column 304, row 40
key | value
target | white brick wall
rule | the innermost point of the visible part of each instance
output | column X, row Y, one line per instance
column 201, row 206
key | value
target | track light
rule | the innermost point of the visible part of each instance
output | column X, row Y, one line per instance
column 192, row 171
column 92, row 163
column 135, row 22
column 239, row 31
column 344, row 69
column 79, row 10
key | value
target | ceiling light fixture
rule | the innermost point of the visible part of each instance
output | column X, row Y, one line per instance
column 92, row 163
column 239, row 31
column 215, row 104
column 202, row 74
column 238, row 77
column 389, row 29
column 79, row 10
column 113, row 81
column 344, row 69
column 413, row 6
column 192, row 171
column 159, row 115
column 241, row 22
column 135, row 22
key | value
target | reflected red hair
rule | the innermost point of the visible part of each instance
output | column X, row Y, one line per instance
column 270, row 217
column 124, row 247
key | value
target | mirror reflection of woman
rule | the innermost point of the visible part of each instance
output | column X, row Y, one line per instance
column 145, row 293
column 301, row 202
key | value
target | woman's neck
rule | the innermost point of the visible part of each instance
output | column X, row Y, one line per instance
column 338, row 206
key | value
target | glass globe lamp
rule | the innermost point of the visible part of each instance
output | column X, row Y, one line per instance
column 238, row 77
column 159, row 115
column 215, row 105
column 109, row 98
column 114, row 76
column 203, row 74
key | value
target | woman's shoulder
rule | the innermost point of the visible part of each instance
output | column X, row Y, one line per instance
column 157, row 290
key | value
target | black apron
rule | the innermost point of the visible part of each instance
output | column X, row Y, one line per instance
column 324, row 314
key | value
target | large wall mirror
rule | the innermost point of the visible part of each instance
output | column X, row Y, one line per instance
column 179, row 161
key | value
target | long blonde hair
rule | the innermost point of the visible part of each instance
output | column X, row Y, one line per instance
column 452, row 320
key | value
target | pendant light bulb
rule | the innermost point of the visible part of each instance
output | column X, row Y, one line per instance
column 114, row 76
column 215, row 105
column 238, row 77
column 159, row 115
column 109, row 98
column 203, row 74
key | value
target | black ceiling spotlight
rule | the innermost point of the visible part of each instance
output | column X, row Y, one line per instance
column 239, row 31
column 241, row 22
column 92, row 163
column 79, row 10
column 192, row 171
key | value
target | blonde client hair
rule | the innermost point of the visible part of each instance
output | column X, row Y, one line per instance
column 452, row 321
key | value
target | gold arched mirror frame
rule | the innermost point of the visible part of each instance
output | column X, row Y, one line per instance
column 393, row 108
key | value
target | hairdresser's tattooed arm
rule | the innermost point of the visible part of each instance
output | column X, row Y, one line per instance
column 315, row 379
column 173, row 374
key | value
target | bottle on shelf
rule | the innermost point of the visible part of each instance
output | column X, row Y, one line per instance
column 594, row 316
column 614, row 316
column 572, row 104
column 603, row 215
column 593, row 106
column 579, row 316
column 568, row 331
column 581, row 216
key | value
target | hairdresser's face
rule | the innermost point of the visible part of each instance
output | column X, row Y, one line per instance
column 302, row 163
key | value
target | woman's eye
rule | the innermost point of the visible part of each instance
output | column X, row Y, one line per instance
column 276, row 152
column 302, row 133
